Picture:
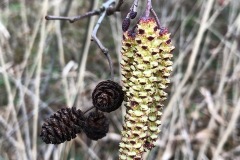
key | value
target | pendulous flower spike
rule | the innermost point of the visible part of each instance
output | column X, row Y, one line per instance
column 146, row 66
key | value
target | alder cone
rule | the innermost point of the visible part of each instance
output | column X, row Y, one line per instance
column 125, row 24
column 107, row 96
column 133, row 14
column 97, row 125
column 62, row 126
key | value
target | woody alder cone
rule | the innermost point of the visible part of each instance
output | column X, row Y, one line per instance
column 62, row 126
column 97, row 125
column 107, row 96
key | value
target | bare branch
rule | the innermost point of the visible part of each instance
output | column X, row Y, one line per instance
column 148, row 8
column 100, row 45
column 156, row 18
column 111, row 10
column 118, row 6
column 76, row 18
column 106, row 9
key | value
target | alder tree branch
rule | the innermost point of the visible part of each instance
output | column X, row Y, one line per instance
column 100, row 45
column 75, row 18
column 107, row 8
column 111, row 9
column 148, row 8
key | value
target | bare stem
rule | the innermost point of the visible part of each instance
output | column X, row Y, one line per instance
column 133, row 9
column 120, row 2
column 111, row 10
column 148, row 8
column 75, row 18
column 88, row 110
column 100, row 45
column 106, row 9
column 135, row 5
column 156, row 18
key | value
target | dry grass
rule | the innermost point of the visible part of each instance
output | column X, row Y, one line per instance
column 45, row 65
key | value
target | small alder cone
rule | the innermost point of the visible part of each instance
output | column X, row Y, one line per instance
column 125, row 24
column 107, row 96
column 97, row 125
column 146, row 67
column 62, row 126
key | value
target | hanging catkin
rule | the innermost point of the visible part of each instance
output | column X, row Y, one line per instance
column 146, row 66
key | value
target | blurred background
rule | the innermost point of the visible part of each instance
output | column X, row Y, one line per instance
column 46, row 65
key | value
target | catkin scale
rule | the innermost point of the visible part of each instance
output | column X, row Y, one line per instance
column 146, row 66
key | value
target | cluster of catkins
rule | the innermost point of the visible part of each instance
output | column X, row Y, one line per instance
column 64, row 124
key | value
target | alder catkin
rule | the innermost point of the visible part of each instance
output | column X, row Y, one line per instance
column 146, row 66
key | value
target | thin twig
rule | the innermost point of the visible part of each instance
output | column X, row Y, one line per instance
column 100, row 45
column 66, row 11
column 148, row 8
column 133, row 9
column 118, row 6
column 106, row 7
column 76, row 18
column 111, row 10
column 134, row 6
column 88, row 109
column 156, row 18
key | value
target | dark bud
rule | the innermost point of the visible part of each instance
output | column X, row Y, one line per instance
column 97, row 125
column 62, row 126
column 131, row 33
column 163, row 31
column 107, row 96
column 125, row 24
column 133, row 14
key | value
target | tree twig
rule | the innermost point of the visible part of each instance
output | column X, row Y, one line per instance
column 156, row 18
column 100, row 45
column 106, row 9
column 88, row 109
column 111, row 10
column 148, row 8
column 76, row 18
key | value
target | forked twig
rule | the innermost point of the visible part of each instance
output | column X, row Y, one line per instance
column 105, row 9
column 99, row 43
column 111, row 10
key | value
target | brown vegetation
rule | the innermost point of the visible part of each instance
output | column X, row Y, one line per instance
column 45, row 65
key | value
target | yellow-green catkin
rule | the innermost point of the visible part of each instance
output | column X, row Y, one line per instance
column 146, row 67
